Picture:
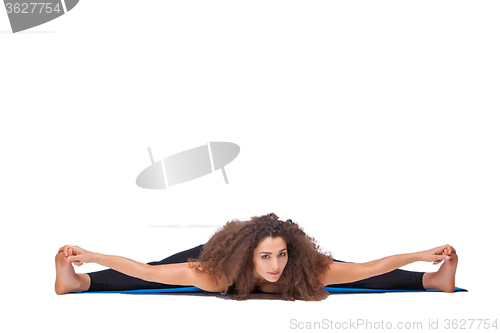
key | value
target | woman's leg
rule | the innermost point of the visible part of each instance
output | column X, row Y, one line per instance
column 399, row 279
column 110, row 280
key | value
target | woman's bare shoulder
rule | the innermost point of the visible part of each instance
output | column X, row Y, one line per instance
column 206, row 281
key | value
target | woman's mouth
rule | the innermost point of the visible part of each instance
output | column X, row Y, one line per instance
column 274, row 273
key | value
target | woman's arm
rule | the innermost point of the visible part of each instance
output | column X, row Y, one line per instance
column 175, row 274
column 341, row 272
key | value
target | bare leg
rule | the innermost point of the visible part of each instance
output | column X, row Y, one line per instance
column 444, row 278
column 67, row 280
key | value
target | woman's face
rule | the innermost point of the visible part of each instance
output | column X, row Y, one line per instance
column 270, row 258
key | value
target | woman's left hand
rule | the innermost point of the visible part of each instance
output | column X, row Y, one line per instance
column 438, row 254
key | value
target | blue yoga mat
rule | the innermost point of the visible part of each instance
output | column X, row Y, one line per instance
column 331, row 290
column 334, row 290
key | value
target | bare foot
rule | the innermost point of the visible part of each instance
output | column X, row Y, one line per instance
column 67, row 280
column 444, row 278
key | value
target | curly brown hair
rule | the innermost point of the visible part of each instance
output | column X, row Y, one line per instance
column 228, row 255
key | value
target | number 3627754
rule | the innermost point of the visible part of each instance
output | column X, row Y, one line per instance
column 32, row 8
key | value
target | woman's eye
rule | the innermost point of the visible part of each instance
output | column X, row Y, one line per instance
column 266, row 256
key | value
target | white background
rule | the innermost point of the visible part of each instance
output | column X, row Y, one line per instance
column 372, row 124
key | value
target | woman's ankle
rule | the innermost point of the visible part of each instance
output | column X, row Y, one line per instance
column 428, row 281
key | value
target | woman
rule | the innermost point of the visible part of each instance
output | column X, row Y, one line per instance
column 261, row 254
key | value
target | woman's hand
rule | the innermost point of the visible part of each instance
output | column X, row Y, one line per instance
column 76, row 255
column 438, row 254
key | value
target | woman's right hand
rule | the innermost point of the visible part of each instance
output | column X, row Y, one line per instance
column 76, row 255
column 438, row 254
